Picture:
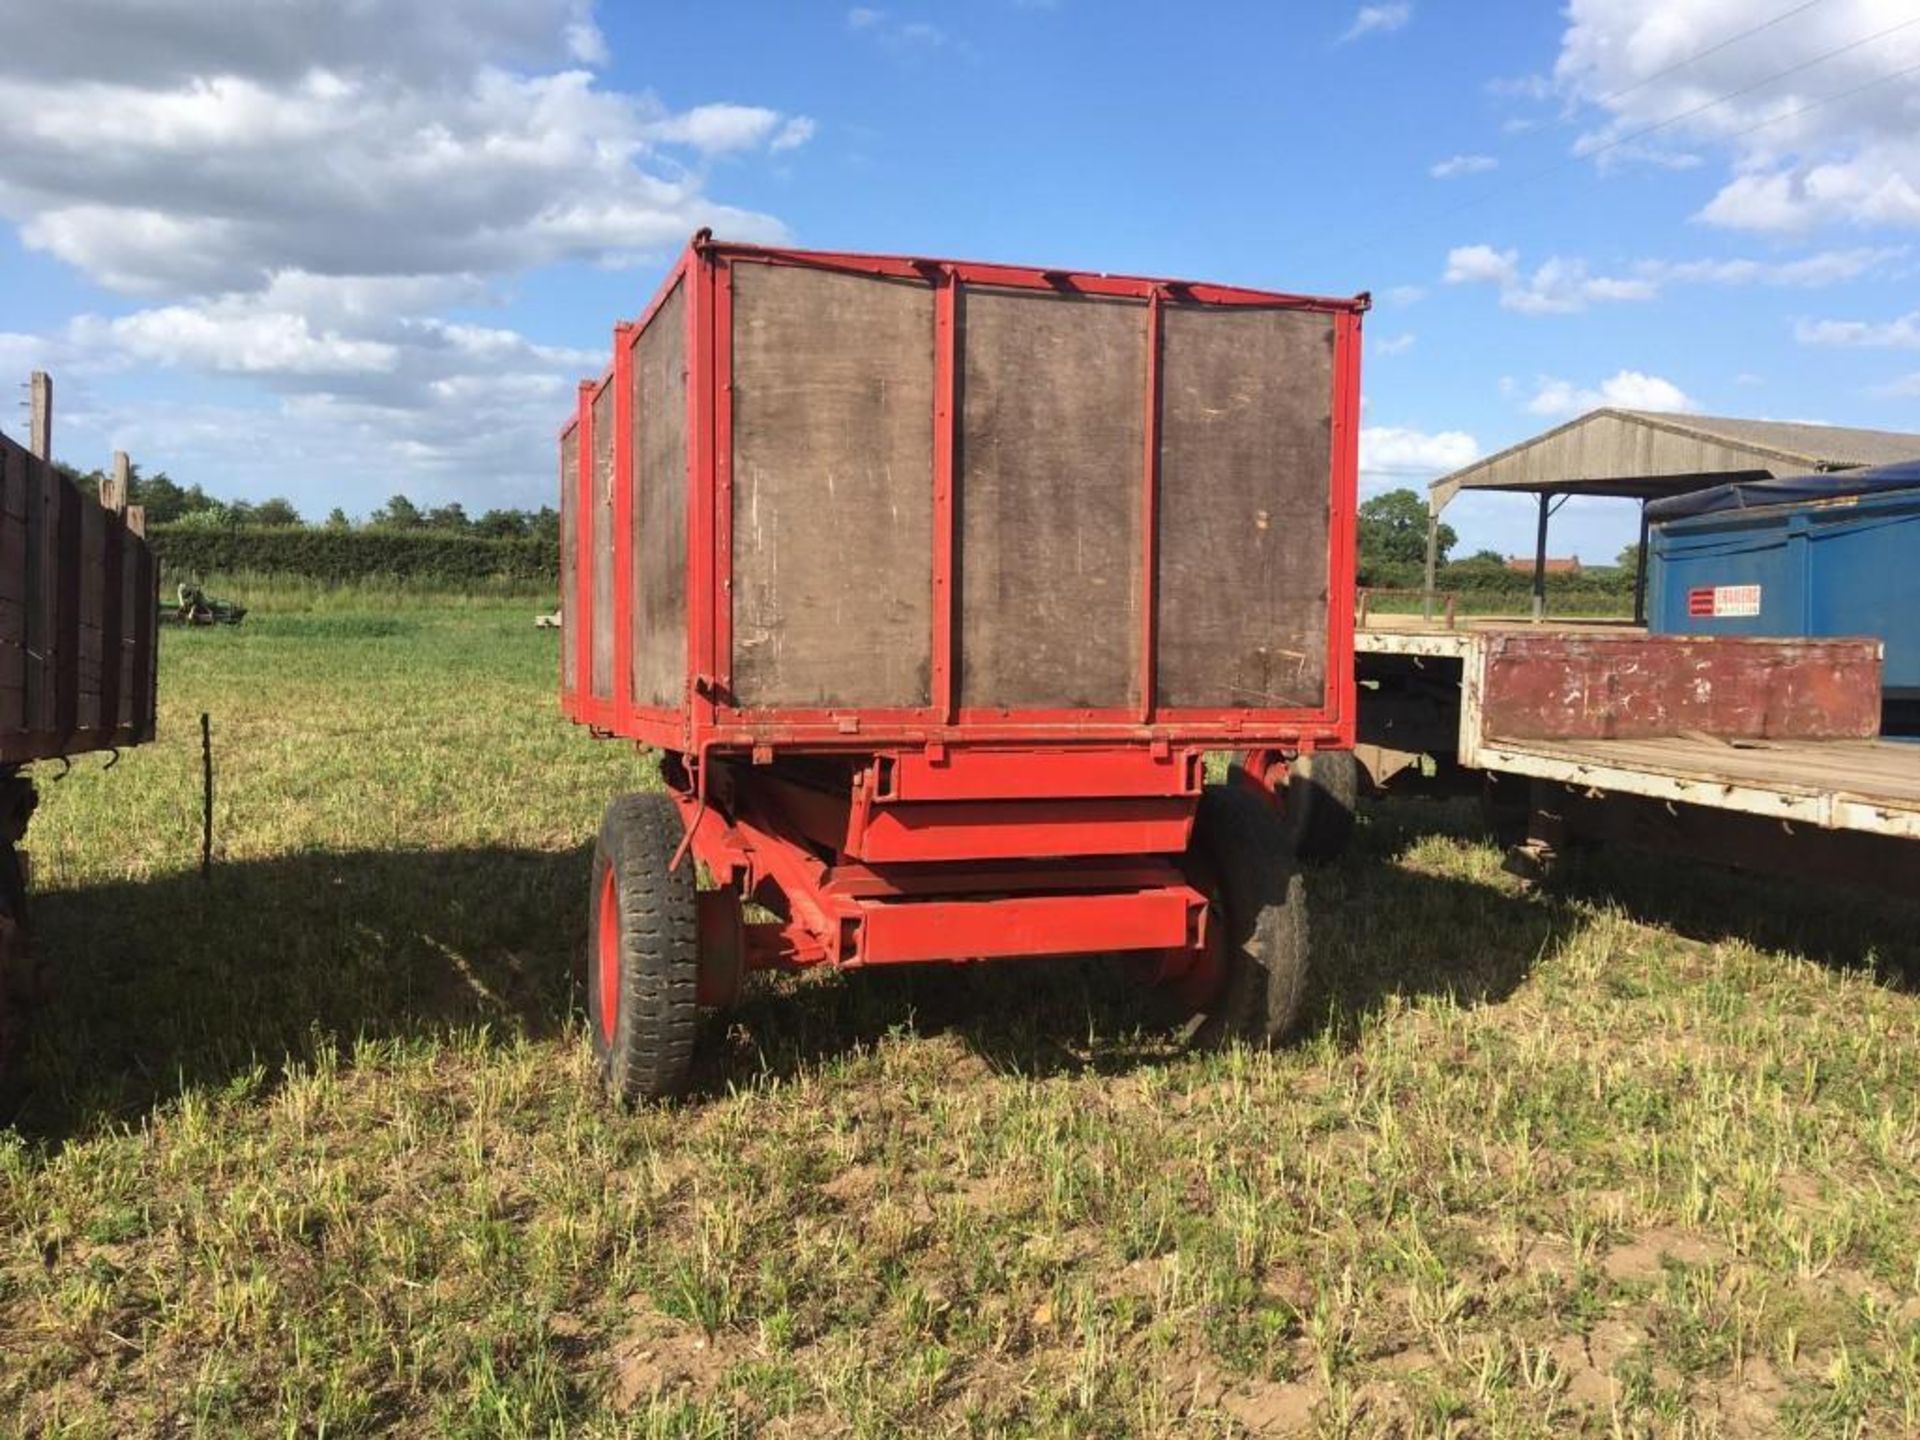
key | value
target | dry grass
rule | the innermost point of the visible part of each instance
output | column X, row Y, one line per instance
column 312, row 1149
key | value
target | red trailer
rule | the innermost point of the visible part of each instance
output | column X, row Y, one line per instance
column 932, row 583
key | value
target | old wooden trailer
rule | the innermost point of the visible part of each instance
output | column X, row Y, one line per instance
column 77, row 645
column 931, row 583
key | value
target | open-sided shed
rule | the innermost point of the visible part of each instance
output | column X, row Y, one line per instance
column 1645, row 455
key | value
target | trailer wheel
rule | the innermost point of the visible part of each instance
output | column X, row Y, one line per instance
column 1322, row 790
column 643, row 952
column 1316, row 805
column 1259, row 919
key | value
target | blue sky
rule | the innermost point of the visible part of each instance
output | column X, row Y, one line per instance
column 353, row 249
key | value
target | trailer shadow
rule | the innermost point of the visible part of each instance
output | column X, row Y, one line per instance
column 176, row 983
column 1838, row 926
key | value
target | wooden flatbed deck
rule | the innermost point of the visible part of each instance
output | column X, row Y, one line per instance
column 1871, row 786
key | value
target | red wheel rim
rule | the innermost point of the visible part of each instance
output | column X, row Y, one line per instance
column 609, row 956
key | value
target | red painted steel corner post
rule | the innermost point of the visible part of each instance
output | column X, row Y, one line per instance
column 625, row 418
column 720, row 666
column 946, row 420
column 1343, row 563
column 1150, row 512
column 560, row 587
column 700, row 577
column 581, row 621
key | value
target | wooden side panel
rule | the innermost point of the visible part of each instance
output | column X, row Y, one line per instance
column 1245, row 459
column 832, row 488
column 602, row 559
column 76, row 618
column 659, row 576
column 146, row 648
column 90, row 650
column 1627, row 687
column 1050, row 458
column 13, row 589
column 569, row 554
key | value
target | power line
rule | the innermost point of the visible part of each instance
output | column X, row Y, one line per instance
column 1471, row 201
column 1645, row 131
column 1710, row 50
column 1846, row 94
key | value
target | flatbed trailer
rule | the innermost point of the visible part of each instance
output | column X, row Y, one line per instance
column 932, row 583
column 1758, row 753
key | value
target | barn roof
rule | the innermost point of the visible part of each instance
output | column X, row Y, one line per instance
column 1644, row 454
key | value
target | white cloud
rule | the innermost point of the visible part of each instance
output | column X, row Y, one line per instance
column 717, row 128
column 236, row 340
column 1381, row 19
column 1404, row 294
column 1456, row 165
column 1810, row 141
column 213, row 180
column 1625, row 390
column 300, row 191
column 1826, row 267
column 1906, row 386
column 1394, row 450
column 1556, row 287
column 895, row 33
column 1394, row 344
column 1473, row 264
column 1563, row 285
column 792, row 135
column 1902, row 333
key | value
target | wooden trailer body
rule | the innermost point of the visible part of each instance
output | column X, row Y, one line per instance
column 78, row 616
column 837, row 501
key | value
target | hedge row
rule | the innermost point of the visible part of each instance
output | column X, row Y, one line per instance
column 1488, row 580
column 437, row 559
column 419, row 557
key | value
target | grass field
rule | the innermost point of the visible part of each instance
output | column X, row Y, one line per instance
column 312, row 1148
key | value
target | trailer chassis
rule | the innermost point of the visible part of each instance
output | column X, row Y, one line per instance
column 883, row 858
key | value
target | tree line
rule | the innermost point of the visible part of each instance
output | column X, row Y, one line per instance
column 167, row 502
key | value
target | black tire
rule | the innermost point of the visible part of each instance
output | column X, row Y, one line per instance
column 643, row 973
column 1261, row 900
column 1323, row 788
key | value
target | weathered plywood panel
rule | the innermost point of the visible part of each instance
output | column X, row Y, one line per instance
column 66, row 673
column 13, row 594
column 1245, row 468
column 832, row 488
column 1626, row 687
column 1050, row 461
column 602, row 577
column 90, row 653
column 659, row 577
column 569, row 555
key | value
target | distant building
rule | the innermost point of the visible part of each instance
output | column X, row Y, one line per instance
column 1556, row 564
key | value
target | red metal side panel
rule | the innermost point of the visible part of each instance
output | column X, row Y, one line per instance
column 1559, row 686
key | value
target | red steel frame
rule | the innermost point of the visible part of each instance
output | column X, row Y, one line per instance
column 951, row 832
